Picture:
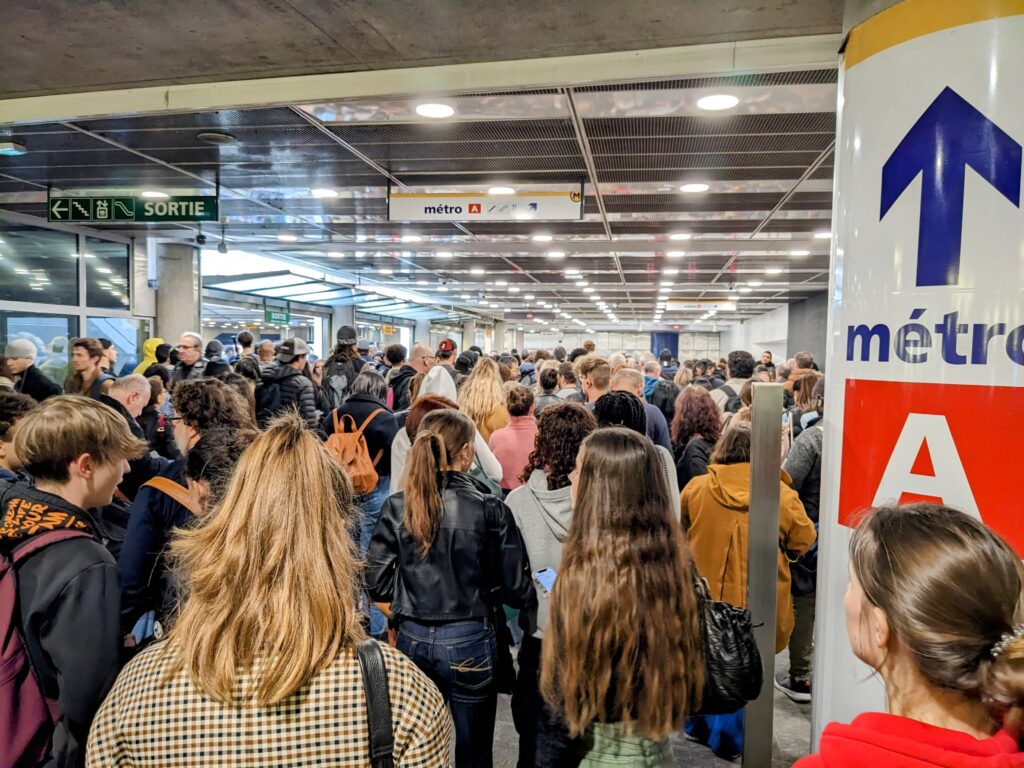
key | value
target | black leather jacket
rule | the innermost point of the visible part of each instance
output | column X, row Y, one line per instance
column 478, row 560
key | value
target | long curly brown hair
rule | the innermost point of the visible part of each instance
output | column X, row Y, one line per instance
column 561, row 429
column 623, row 642
column 696, row 414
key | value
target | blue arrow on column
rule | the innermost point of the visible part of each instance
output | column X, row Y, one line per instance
column 948, row 137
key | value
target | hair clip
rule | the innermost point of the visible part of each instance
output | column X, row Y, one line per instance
column 1008, row 637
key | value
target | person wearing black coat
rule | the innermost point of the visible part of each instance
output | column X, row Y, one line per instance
column 29, row 380
column 447, row 566
column 295, row 388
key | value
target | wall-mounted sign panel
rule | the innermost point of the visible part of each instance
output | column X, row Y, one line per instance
column 102, row 210
column 277, row 316
column 530, row 316
column 696, row 305
column 539, row 206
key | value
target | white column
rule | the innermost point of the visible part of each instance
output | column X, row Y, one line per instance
column 422, row 332
column 178, row 291
column 468, row 334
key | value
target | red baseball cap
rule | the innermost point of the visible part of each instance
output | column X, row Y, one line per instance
column 446, row 347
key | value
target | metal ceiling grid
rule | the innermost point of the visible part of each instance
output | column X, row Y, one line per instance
column 753, row 161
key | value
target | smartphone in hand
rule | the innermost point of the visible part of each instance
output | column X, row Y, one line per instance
column 545, row 579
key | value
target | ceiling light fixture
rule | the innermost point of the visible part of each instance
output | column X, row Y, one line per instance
column 336, row 254
column 718, row 102
column 670, row 271
column 287, row 238
column 542, row 238
column 680, row 236
column 321, row 192
column 799, row 253
column 513, row 289
column 588, row 290
column 435, row 111
column 581, row 283
column 443, row 254
column 12, row 149
column 411, row 238
column 694, row 188
column 754, row 283
column 666, row 283
column 217, row 139
column 385, row 271
column 501, row 282
column 556, row 254
column 476, row 271
column 823, row 235
column 733, row 297
column 153, row 194
column 501, row 191
column 528, row 296
column 773, row 271
column 746, row 290
column 442, row 288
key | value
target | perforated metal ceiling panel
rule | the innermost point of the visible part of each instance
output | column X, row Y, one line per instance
column 767, row 163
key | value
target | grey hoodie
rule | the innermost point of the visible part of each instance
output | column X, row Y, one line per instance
column 543, row 518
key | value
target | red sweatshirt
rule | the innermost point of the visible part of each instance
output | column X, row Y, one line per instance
column 886, row 741
column 512, row 445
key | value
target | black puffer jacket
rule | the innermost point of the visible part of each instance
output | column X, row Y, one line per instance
column 296, row 392
column 400, row 382
column 477, row 561
column 37, row 384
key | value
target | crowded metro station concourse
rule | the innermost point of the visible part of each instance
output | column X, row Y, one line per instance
column 525, row 385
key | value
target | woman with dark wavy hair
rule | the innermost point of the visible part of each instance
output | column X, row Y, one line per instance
column 696, row 428
column 622, row 663
column 543, row 510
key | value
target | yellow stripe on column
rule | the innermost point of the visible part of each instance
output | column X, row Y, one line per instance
column 916, row 18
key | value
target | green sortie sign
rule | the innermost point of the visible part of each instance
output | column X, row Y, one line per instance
column 100, row 210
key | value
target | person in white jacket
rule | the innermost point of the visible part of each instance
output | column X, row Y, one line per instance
column 438, row 382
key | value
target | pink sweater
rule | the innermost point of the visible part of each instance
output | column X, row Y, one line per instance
column 512, row 446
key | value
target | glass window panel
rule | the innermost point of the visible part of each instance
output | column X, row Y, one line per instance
column 106, row 274
column 51, row 335
column 128, row 335
column 38, row 265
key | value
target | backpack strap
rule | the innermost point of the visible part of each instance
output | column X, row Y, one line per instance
column 175, row 490
column 378, row 704
column 369, row 418
column 727, row 390
column 25, row 549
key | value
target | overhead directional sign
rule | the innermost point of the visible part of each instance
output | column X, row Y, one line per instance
column 538, row 206
column 277, row 316
column 102, row 210
column 697, row 305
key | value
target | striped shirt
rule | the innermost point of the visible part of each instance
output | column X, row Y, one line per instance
column 146, row 723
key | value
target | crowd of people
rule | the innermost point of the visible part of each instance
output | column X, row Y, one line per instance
column 268, row 559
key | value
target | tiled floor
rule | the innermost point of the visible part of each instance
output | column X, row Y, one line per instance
column 792, row 736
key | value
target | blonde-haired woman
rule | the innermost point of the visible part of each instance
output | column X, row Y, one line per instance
column 482, row 398
column 266, row 639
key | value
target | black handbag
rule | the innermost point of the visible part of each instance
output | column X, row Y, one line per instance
column 378, row 704
column 733, row 674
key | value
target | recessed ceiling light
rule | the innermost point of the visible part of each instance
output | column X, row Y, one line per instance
column 528, row 296
column 442, row 288
column 666, row 283
column 217, row 139
column 733, row 297
column 581, row 283
column 385, row 271
column 421, row 282
column 675, row 254
column 336, row 254
column 411, row 238
column 154, row 195
column 501, row 282
column 754, row 283
column 463, row 295
column 556, row 254
column 435, row 111
column 823, row 235
column 519, row 328
column 320, row 192
column 476, row 271
column 443, row 254
column 501, row 191
column 693, row 188
column 680, row 236
column 104, row 270
column 799, row 253
column 773, row 271
column 745, row 290
column 718, row 101
column 670, row 271
column 571, row 272
column 588, row 290
column 595, row 298
column 513, row 289
column 287, row 238
column 542, row 238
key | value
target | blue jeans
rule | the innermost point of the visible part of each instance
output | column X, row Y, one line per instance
column 369, row 505
column 460, row 658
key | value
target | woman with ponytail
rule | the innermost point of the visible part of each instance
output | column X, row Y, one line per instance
column 447, row 555
column 934, row 605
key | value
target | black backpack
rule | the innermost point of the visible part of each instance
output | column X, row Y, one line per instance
column 733, row 404
column 338, row 378
column 268, row 402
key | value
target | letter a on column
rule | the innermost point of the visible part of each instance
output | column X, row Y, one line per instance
column 949, row 482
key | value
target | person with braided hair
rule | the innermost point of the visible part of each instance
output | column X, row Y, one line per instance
column 624, row 409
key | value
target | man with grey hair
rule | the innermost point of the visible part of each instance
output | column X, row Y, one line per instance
column 265, row 353
column 191, row 363
column 128, row 396
column 29, row 380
